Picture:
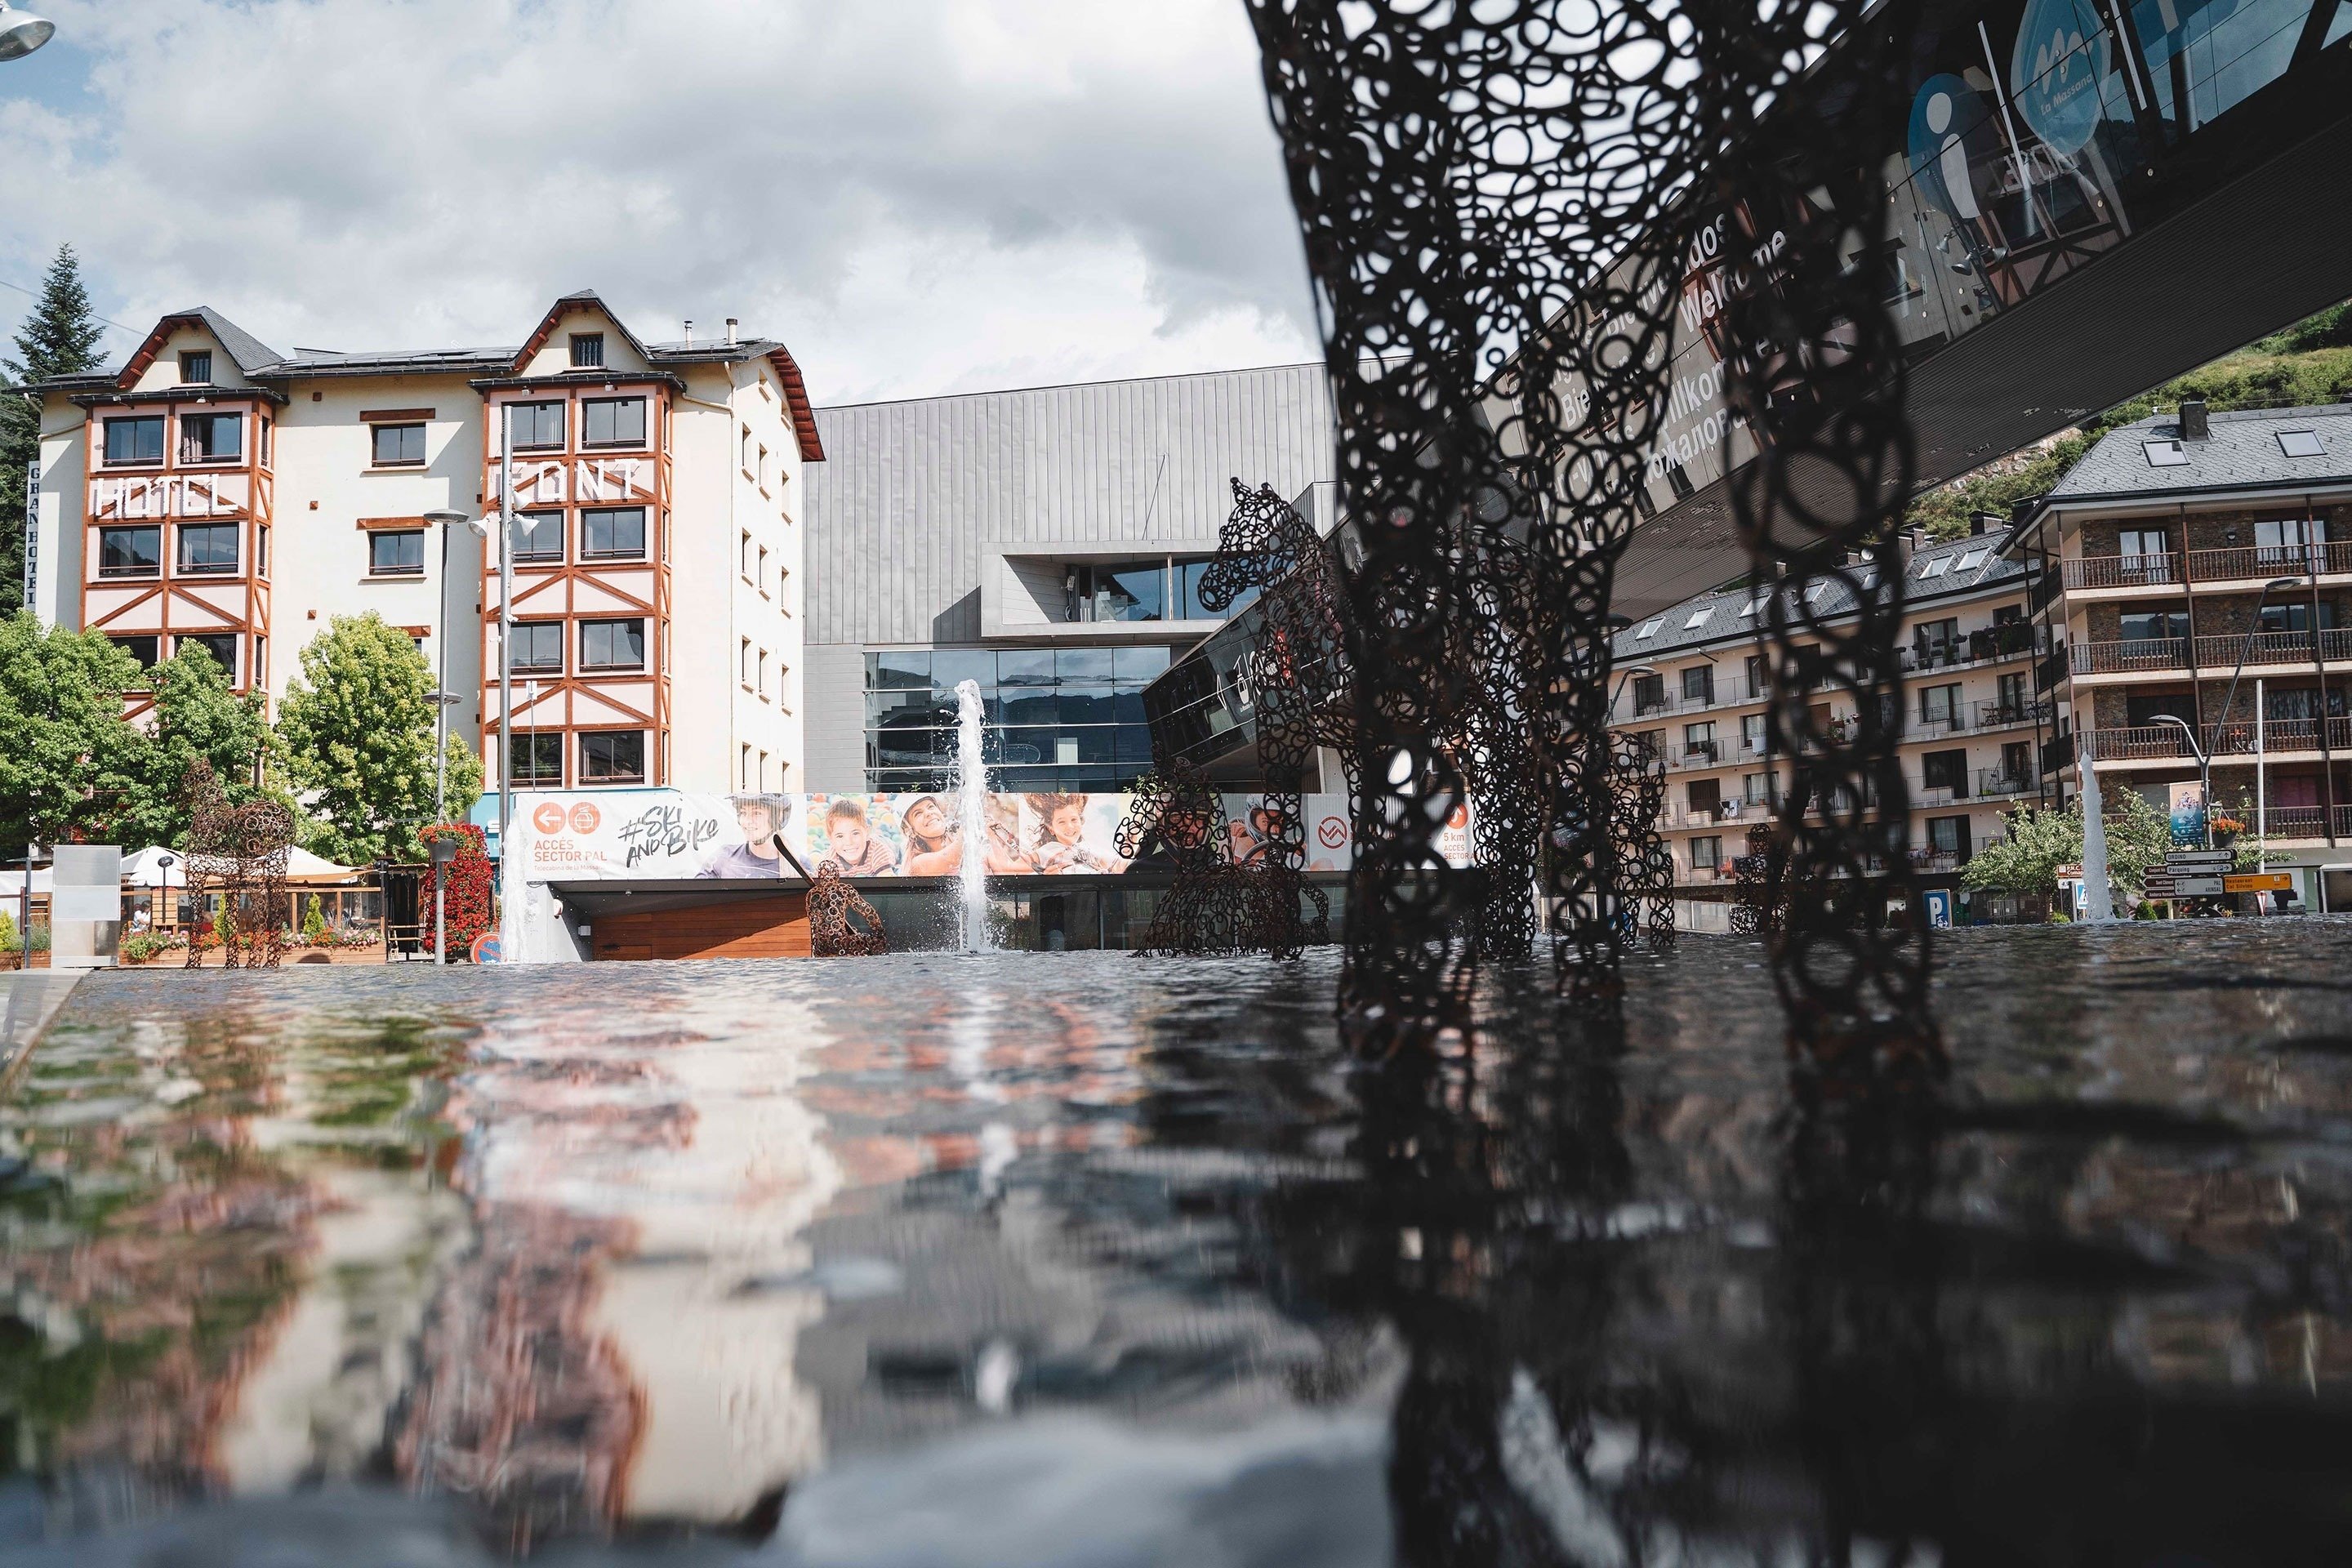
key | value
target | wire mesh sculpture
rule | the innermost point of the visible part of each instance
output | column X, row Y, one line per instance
column 241, row 851
column 833, row 933
column 1175, row 824
column 1644, row 863
column 1498, row 204
column 1753, row 909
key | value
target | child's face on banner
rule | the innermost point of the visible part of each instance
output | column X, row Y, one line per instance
column 849, row 837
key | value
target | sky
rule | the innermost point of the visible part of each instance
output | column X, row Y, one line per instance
column 918, row 196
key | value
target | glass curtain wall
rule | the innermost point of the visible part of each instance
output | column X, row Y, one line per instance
column 1056, row 718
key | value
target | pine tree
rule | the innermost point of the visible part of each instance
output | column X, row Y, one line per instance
column 60, row 338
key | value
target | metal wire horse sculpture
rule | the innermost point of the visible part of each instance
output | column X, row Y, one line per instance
column 242, row 850
column 1498, row 204
column 1212, row 905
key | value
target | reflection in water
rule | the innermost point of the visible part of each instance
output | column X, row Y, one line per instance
column 1073, row 1259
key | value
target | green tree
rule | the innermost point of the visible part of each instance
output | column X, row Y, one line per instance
column 65, row 755
column 357, row 727
column 196, row 715
column 2025, row 858
column 2139, row 839
column 60, row 338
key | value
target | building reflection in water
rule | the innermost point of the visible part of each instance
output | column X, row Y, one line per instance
column 1049, row 1258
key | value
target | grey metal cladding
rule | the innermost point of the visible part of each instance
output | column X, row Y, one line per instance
column 897, row 512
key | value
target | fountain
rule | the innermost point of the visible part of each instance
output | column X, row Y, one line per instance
column 971, row 810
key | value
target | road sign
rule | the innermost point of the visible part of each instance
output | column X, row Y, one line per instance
column 2259, row 882
column 2159, row 885
column 2197, row 886
column 2180, row 860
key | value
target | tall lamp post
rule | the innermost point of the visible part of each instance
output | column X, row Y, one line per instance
column 442, row 700
column 21, row 32
column 502, row 519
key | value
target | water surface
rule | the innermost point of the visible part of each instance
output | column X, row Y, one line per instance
column 1046, row 1258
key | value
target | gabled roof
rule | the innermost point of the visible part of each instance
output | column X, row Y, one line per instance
column 1951, row 569
column 580, row 299
column 2241, row 452
column 249, row 353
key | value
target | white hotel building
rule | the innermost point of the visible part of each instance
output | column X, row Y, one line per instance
column 216, row 491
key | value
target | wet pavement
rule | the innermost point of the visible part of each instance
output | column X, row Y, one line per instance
column 1078, row 1258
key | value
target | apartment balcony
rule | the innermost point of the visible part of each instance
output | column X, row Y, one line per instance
column 1699, row 754
column 1935, row 861
column 1929, row 796
column 2057, row 754
column 1998, row 784
column 2225, row 569
column 2215, row 655
column 2165, row 744
column 1999, row 715
column 2049, row 670
column 2304, row 823
column 1984, row 646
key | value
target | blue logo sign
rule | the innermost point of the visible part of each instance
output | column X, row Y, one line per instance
column 1939, row 908
column 2056, row 75
column 1949, row 119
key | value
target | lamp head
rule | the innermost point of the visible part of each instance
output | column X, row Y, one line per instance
column 480, row 525
column 446, row 518
column 2282, row 583
column 21, row 32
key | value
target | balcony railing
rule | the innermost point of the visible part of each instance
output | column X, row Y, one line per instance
column 2057, row 752
column 1993, row 783
column 2051, row 670
column 2267, row 560
column 2212, row 652
column 1937, row 861
column 2122, row 571
column 1940, row 794
column 2163, row 743
column 2010, row 640
column 1699, row 754
column 2136, row 654
column 2287, row 823
column 1999, row 715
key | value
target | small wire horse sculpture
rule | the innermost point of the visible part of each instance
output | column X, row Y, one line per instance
column 242, row 851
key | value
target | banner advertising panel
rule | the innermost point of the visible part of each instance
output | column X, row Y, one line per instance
column 666, row 835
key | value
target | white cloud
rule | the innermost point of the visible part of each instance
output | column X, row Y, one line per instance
column 917, row 198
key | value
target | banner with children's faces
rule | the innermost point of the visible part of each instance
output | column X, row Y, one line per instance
column 663, row 835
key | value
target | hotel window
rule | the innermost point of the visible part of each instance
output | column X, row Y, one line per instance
column 1949, row 835
column 612, row 757
column 587, row 350
column 137, row 440
column 1939, row 706
column 538, row 646
column 743, row 770
column 399, row 446
column 2287, row 541
column 759, row 578
column 396, row 553
column 614, row 535
column 1946, row 771
column 613, row 422
column 221, row 646
column 208, row 546
column 1752, row 734
column 1757, row 789
column 1698, row 740
column 747, row 449
column 538, row 760
column 537, row 537
column 267, row 425
column 613, row 644
column 2140, row 541
column 745, row 564
column 763, row 769
column 141, row 648
column 1115, row 591
column 2153, row 626
column 1191, row 571
column 761, row 685
column 537, row 426
column 743, row 659
column 2297, row 617
column 196, row 367
column 761, row 469
column 212, row 437
column 130, row 551
column 1706, row 853
column 1699, row 684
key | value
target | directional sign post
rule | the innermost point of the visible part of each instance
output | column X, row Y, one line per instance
column 2259, row 882
column 2197, row 886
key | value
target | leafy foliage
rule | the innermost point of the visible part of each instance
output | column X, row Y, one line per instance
column 65, row 756
column 357, row 725
column 60, row 338
column 197, row 717
column 466, row 904
column 2036, row 842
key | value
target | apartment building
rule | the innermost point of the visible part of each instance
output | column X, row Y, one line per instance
column 217, row 491
column 1692, row 682
column 2192, row 577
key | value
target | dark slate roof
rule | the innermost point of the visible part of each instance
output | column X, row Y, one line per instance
column 2243, row 452
column 1955, row 570
column 249, row 351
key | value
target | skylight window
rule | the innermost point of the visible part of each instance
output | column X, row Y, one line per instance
column 1697, row 619
column 1650, row 628
column 1938, row 567
column 1751, row 607
column 1971, row 558
column 1815, row 592
column 2301, row 443
column 2164, row 453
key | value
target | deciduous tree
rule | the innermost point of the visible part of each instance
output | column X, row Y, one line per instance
column 357, row 725
column 196, row 715
column 65, row 755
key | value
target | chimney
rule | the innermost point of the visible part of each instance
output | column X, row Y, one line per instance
column 2193, row 425
column 689, row 332
column 730, row 331
column 1983, row 522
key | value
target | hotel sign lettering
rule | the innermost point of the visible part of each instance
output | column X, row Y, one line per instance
column 590, row 481
column 171, row 495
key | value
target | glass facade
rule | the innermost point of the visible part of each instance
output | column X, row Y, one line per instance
column 1056, row 718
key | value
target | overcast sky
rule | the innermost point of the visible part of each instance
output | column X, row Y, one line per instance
column 917, row 196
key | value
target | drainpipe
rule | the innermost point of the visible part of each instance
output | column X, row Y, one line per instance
column 734, row 542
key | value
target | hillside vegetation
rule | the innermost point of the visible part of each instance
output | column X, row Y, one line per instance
column 2309, row 363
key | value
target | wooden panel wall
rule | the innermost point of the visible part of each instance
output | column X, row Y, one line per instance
column 751, row 927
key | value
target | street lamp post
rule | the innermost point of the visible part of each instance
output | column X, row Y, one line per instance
column 21, row 32
column 442, row 698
